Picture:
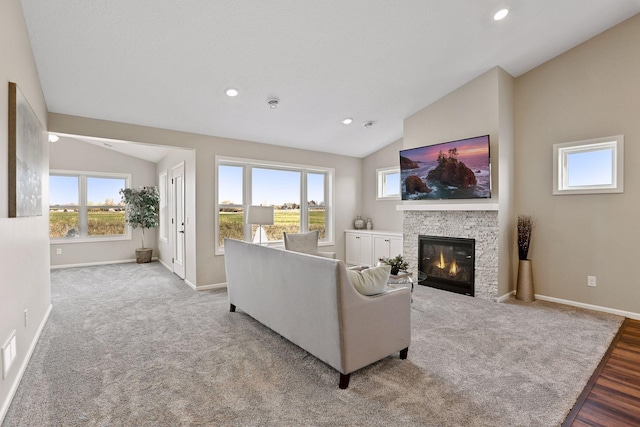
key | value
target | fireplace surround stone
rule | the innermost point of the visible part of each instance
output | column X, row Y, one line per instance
column 481, row 225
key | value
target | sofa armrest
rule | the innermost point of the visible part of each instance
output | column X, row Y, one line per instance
column 374, row 327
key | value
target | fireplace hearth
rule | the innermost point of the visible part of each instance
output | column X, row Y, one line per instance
column 448, row 262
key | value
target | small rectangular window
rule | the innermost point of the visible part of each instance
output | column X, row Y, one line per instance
column 589, row 167
column 388, row 183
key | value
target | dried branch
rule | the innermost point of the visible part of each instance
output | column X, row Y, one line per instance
column 525, row 224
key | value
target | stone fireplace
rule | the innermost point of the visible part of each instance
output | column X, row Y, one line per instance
column 479, row 225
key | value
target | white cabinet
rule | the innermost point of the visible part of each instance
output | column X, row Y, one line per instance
column 365, row 247
column 386, row 247
column 359, row 249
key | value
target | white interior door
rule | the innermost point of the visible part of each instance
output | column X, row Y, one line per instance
column 178, row 220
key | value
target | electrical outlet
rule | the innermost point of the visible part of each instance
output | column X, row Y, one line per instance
column 58, row 251
column 591, row 281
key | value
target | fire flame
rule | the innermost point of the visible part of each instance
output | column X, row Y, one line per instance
column 441, row 265
column 453, row 270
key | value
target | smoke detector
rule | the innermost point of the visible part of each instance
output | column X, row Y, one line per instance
column 367, row 125
column 273, row 103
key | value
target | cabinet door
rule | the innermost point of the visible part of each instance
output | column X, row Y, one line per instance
column 366, row 250
column 380, row 247
column 395, row 246
column 352, row 256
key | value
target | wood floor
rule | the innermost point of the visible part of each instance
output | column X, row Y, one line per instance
column 612, row 396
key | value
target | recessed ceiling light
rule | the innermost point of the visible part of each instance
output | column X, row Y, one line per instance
column 347, row 121
column 367, row 125
column 273, row 103
column 53, row 138
column 501, row 14
column 232, row 92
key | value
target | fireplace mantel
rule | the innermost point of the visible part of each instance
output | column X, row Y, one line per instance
column 448, row 207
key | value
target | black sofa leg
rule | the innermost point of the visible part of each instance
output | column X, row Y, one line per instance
column 232, row 308
column 404, row 353
column 344, row 380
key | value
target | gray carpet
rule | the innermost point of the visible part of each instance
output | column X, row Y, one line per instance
column 131, row 345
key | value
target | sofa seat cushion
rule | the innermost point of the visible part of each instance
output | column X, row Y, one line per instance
column 371, row 281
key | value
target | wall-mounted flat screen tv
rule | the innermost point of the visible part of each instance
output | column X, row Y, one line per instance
column 451, row 170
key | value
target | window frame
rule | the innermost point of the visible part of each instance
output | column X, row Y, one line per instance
column 381, row 183
column 247, row 167
column 83, row 207
column 561, row 173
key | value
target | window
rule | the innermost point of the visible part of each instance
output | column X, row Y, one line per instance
column 301, row 197
column 588, row 167
column 86, row 206
column 163, row 217
column 388, row 183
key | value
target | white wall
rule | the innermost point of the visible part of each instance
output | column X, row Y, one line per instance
column 590, row 91
column 383, row 213
column 74, row 155
column 24, row 242
column 209, row 267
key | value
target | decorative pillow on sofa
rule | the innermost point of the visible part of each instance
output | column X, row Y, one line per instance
column 370, row 281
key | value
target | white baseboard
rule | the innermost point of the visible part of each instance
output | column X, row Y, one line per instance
column 89, row 264
column 191, row 285
column 23, row 367
column 167, row 266
column 506, row 296
column 212, row 286
column 206, row 287
column 628, row 314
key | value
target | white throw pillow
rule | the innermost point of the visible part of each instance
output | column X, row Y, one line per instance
column 370, row 281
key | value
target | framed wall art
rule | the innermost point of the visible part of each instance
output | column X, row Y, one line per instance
column 26, row 144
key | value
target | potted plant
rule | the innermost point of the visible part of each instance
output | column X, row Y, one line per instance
column 397, row 264
column 141, row 207
column 524, row 289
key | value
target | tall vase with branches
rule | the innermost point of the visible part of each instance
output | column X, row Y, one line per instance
column 525, row 225
column 524, row 290
column 141, row 207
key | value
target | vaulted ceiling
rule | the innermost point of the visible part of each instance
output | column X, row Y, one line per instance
column 167, row 63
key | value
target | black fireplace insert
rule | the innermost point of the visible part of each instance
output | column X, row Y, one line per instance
column 448, row 262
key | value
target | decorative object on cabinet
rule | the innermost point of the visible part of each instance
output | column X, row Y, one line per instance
column 369, row 224
column 358, row 224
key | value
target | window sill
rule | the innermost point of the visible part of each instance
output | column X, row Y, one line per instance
column 72, row 240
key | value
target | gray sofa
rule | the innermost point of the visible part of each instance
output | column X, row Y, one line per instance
column 310, row 301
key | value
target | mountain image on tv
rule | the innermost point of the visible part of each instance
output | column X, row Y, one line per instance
column 451, row 170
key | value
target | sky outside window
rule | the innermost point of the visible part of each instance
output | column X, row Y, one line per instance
column 590, row 168
column 275, row 187
column 315, row 188
column 230, row 184
column 63, row 190
column 392, row 184
column 104, row 191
